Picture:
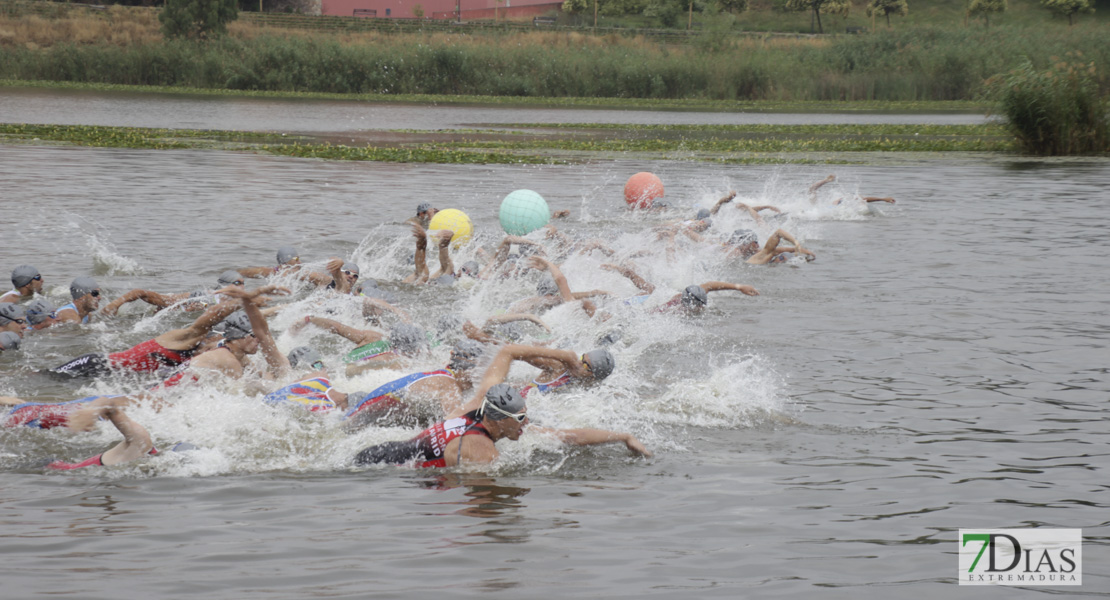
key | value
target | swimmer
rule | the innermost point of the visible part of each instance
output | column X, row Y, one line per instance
column 86, row 297
column 41, row 314
column 26, row 282
column 420, row 261
column 136, row 443
column 558, row 368
column 552, row 291
column 13, row 318
column 424, row 214
column 692, row 299
column 344, row 276
column 228, row 358
column 9, row 341
column 198, row 299
column 831, row 178
column 288, row 263
column 48, row 415
column 445, row 387
column 470, row 438
column 171, row 349
column 373, row 349
column 744, row 244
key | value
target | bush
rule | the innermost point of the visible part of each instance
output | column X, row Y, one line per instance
column 197, row 19
column 1058, row 110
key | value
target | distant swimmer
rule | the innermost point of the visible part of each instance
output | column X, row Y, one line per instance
column 26, row 282
column 13, row 318
column 470, row 438
column 831, row 178
column 424, row 213
column 171, row 349
column 86, row 298
column 374, row 350
column 691, row 300
column 288, row 263
column 744, row 244
column 552, row 290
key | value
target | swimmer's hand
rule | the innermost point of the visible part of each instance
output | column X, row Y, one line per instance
column 636, row 447
column 746, row 289
column 334, row 265
column 300, row 324
column 444, row 236
column 560, row 214
column 538, row 263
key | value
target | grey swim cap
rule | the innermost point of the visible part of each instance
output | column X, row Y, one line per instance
column 659, row 204
column 505, row 402
column 407, row 338
column 703, row 214
column 39, row 310
column 9, row 340
column 286, row 254
column 352, row 267
column 423, row 207
column 371, row 291
column 229, row 277
column 82, row 286
column 237, row 326
column 742, row 236
column 448, row 323
column 445, row 279
column 304, row 355
column 601, row 362
column 547, row 287
column 464, row 355
column 24, row 274
column 193, row 295
column 471, row 267
column 184, row 447
column 9, row 312
column 694, row 296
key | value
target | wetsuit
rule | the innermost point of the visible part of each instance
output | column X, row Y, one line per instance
column 45, row 415
column 145, row 357
column 309, row 393
column 73, row 307
column 554, row 384
column 94, row 461
column 380, row 402
column 426, row 449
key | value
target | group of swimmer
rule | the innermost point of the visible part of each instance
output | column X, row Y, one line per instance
column 471, row 408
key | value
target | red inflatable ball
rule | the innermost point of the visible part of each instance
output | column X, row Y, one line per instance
column 642, row 189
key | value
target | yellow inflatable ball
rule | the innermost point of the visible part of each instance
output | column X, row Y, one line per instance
column 455, row 220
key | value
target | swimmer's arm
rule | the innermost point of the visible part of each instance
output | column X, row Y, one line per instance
column 753, row 213
column 136, row 439
column 358, row 336
column 335, row 269
column 498, row 369
column 596, row 245
column 813, row 188
column 511, row 317
column 256, row 272
column 376, row 307
column 560, row 214
column 541, row 264
column 317, row 279
column 159, row 300
column 445, row 264
column 726, row 199
column 201, row 326
column 716, row 286
column 555, row 234
column 471, row 330
column 277, row 361
column 641, row 284
column 593, row 437
column 887, row 199
column 766, row 207
column 70, row 316
column 589, row 294
column 420, row 260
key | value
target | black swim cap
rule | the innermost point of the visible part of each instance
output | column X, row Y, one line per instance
column 694, row 296
column 505, row 402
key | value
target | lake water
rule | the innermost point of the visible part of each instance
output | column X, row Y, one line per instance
column 941, row 365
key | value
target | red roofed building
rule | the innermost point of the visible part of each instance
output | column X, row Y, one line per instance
column 438, row 9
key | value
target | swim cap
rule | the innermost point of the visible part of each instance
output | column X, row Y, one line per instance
column 304, row 355
column 601, row 362
column 742, row 236
column 610, row 338
column 229, row 277
column 193, row 295
column 39, row 310
column 471, row 267
column 505, row 400
column 547, row 287
column 184, row 447
column 694, row 296
column 407, row 338
column 514, row 332
column 82, row 286
column 371, row 291
column 659, row 204
column 237, row 326
column 464, row 355
column 24, row 274
column 350, row 266
column 527, row 250
column 445, row 279
column 9, row 340
column 703, row 214
column 9, row 312
column 423, row 207
column 448, row 324
column 286, row 254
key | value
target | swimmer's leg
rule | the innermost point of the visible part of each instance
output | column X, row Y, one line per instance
column 396, row 453
column 89, row 365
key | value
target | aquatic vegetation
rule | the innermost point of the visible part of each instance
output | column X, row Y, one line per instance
column 1058, row 110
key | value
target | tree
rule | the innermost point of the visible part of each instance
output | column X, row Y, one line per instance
column 1070, row 8
column 984, row 8
column 887, row 8
column 733, row 6
column 818, row 7
column 418, row 11
column 574, row 6
column 197, row 19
